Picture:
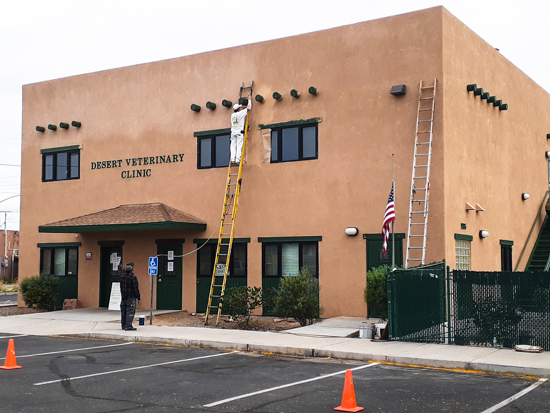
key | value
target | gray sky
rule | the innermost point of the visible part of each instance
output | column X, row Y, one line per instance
column 49, row 39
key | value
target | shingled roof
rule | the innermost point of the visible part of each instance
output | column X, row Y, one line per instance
column 128, row 217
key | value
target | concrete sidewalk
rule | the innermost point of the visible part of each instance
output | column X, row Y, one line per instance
column 329, row 338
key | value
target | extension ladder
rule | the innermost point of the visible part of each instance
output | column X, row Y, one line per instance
column 420, row 179
column 227, row 227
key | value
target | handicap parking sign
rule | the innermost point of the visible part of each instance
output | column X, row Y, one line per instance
column 153, row 265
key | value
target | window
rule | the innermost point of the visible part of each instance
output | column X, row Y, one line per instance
column 462, row 248
column 60, row 165
column 287, row 258
column 506, row 255
column 213, row 151
column 237, row 263
column 59, row 261
column 295, row 143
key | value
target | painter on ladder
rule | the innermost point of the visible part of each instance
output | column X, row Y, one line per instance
column 237, row 129
column 129, row 291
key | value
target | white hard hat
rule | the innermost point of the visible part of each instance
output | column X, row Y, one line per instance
column 236, row 106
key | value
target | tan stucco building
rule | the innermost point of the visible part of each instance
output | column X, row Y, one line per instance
column 141, row 174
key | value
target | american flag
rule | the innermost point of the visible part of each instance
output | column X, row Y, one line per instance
column 388, row 218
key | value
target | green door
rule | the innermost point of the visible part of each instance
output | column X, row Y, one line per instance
column 110, row 268
column 375, row 257
column 169, row 278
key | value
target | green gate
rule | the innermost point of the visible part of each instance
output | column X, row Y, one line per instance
column 417, row 304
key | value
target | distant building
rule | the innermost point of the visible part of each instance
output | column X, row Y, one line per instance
column 9, row 247
column 116, row 167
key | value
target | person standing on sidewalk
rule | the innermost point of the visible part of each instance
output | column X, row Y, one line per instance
column 129, row 291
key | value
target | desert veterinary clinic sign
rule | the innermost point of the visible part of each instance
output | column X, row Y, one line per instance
column 137, row 164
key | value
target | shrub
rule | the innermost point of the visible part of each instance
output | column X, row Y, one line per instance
column 298, row 297
column 376, row 292
column 40, row 291
column 241, row 301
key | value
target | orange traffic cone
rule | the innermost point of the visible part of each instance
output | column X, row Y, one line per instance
column 10, row 362
column 348, row 398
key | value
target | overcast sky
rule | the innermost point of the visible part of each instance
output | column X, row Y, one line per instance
column 49, row 39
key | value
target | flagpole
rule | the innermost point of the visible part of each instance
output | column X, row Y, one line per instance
column 392, row 233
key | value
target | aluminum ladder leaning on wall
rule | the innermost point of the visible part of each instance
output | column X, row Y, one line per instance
column 420, row 178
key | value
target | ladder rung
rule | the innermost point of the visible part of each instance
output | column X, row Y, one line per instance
column 427, row 98
column 213, row 306
column 421, row 166
column 417, row 212
column 423, row 131
column 424, row 110
column 420, row 121
column 416, row 236
column 427, row 87
column 416, row 248
column 419, row 177
column 415, row 259
column 215, row 296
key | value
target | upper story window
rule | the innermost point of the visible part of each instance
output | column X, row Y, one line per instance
column 60, row 164
column 294, row 143
column 213, row 149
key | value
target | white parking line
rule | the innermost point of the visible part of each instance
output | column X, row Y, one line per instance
column 69, row 351
column 514, row 397
column 133, row 368
column 19, row 335
column 285, row 385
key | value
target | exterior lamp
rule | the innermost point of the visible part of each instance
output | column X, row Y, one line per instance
column 76, row 124
column 277, row 96
column 548, row 136
column 525, row 197
column 471, row 87
column 195, row 108
column 40, row 128
column 259, row 98
column 483, row 234
column 52, row 127
column 210, row 105
column 351, row 231
column 227, row 103
column 64, row 125
column 294, row 93
column 312, row 91
column 397, row 90
column 547, row 155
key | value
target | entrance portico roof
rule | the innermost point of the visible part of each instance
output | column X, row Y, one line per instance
column 128, row 217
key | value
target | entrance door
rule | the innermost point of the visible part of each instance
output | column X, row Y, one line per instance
column 169, row 279
column 375, row 257
column 109, row 272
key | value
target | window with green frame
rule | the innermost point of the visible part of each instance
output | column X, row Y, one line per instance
column 294, row 143
column 60, row 165
column 59, row 261
column 213, row 151
column 287, row 258
column 238, row 265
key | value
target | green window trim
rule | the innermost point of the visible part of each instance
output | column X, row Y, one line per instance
column 110, row 243
column 289, row 239
column 224, row 131
column 289, row 123
column 170, row 241
column 506, row 242
column 215, row 240
column 464, row 237
column 58, row 244
column 60, row 149
column 375, row 237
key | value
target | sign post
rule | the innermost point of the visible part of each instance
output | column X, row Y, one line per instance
column 153, row 270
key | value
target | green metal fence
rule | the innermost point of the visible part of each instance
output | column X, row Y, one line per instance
column 501, row 308
column 417, row 302
column 432, row 305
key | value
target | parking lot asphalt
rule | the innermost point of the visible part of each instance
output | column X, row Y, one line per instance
column 328, row 339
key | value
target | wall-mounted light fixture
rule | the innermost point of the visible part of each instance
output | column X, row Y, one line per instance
column 259, row 98
column 40, row 128
column 277, row 96
column 471, row 87
column 483, row 234
column 227, row 103
column 210, row 105
column 64, row 125
column 195, row 108
column 351, row 231
column 547, row 153
column 52, row 127
column 397, row 90
column 294, row 93
column 76, row 124
column 525, row 197
column 312, row 90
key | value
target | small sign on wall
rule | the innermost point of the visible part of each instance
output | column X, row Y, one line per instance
column 88, row 255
